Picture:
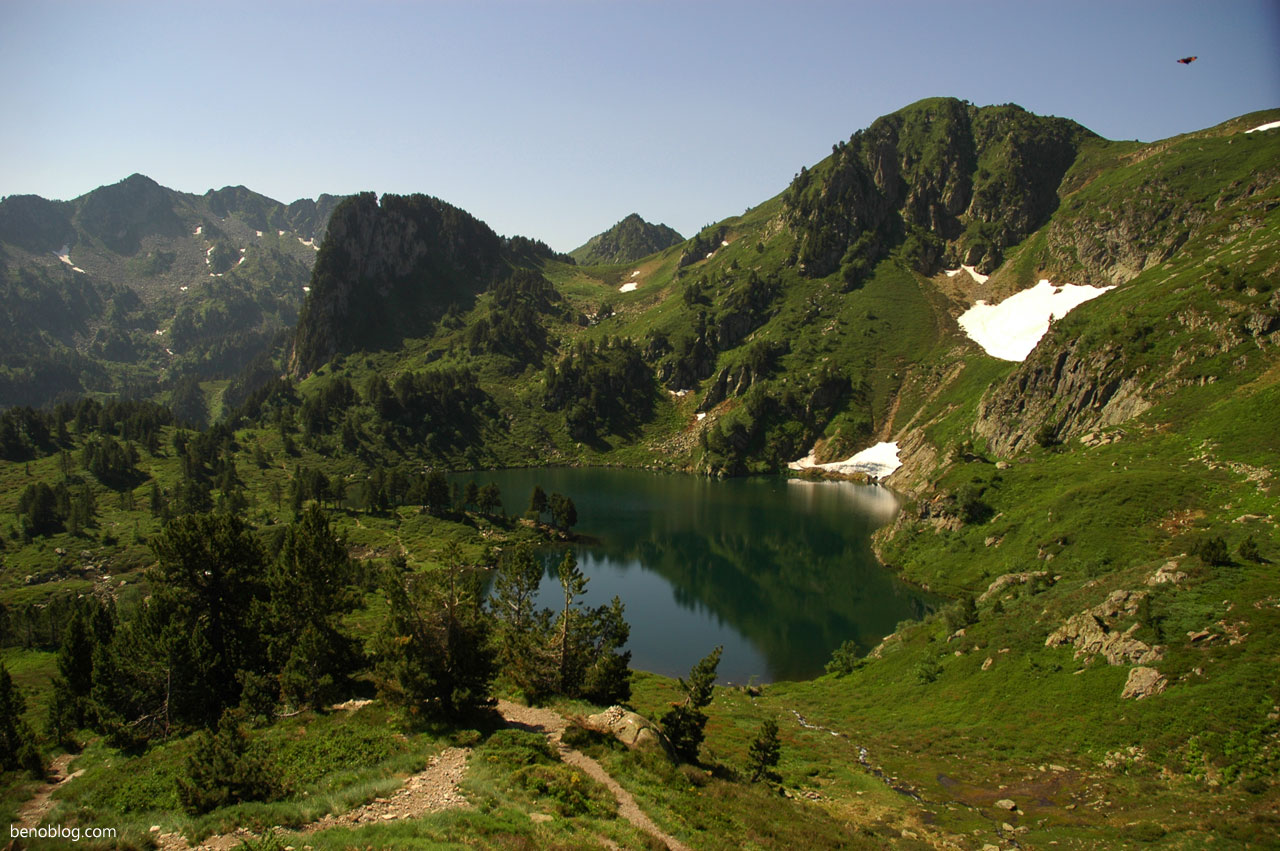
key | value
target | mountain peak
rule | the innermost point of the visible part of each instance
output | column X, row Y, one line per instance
column 628, row 240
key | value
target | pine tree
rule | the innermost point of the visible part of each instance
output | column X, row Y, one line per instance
column 538, row 503
column 208, row 575
column 569, row 650
column 435, row 654
column 310, row 591
column 522, row 630
column 764, row 753
column 685, row 723
column 17, row 742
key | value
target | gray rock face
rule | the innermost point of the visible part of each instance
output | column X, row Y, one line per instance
column 1071, row 391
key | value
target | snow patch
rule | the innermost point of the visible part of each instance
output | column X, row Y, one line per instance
column 636, row 273
column 279, row 233
column 259, row 233
column 199, row 230
column 159, row 332
column 973, row 273
column 723, row 243
column 1011, row 329
column 64, row 254
column 183, row 289
column 310, row 243
column 241, row 260
column 702, row 415
column 712, row 254
column 678, row 393
column 306, row 289
column 628, row 288
column 1262, row 128
column 878, row 461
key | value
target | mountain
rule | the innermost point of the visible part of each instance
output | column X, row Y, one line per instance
column 627, row 241
column 133, row 287
column 1097, row 517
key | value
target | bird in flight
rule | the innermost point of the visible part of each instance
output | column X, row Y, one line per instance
column 1187, row 60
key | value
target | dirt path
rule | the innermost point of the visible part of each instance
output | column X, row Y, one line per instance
column 551, row 724
column 431, row 790
column 33, row 811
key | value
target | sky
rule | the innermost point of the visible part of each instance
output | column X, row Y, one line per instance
column 556, row 119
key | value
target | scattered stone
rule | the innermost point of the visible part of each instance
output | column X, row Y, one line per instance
column 1006, row 804
column 986, row 666
column 1143, row 682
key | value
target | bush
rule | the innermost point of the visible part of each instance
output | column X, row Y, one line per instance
column 573, row 793
column 221, row 770
column 845, row 659
column 1213, row 551
column 1248, row 550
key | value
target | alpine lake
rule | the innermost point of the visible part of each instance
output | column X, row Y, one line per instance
column 779, row 571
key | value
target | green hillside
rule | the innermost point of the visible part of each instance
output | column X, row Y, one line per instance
column 1100, row 517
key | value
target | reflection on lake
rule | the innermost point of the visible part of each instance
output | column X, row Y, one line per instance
column 779, row 571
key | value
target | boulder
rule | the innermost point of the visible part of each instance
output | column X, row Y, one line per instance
column 630, row 728
column 1143, row 682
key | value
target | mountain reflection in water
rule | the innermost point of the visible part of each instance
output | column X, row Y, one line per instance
column 779, row 571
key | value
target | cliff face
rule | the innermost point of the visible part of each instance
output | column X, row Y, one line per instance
column 388, row 270
column 1070, row 391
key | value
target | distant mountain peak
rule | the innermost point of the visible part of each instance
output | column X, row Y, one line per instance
column 628, row 240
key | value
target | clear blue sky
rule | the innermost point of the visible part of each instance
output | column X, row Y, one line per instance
column 556, row 119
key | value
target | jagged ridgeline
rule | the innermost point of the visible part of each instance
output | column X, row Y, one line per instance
column 135, row 288
column 628, row 240
column 947, row 180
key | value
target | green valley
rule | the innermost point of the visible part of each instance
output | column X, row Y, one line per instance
column 242, row 602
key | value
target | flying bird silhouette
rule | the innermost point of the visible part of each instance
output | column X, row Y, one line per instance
column 1187, row 60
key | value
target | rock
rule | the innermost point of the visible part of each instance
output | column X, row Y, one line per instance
column 1006, row 804
column 1008, row 579
column 1168, row 572
column 986, row 666
column 1091, row 634
column 630, row 728
column 1143, row 682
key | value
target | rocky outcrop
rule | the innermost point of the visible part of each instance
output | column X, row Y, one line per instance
column 388, row 270
column 1143, row 682
column 1067, row 389
column 1033, row 577
column 1093, row 632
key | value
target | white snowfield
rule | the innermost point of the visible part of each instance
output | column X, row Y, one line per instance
column 973, row 273
column 878, row 461
column 628, row 287
column 1010, row 330
column 1262, row 128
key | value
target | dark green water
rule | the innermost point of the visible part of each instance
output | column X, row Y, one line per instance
column 779, row 571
